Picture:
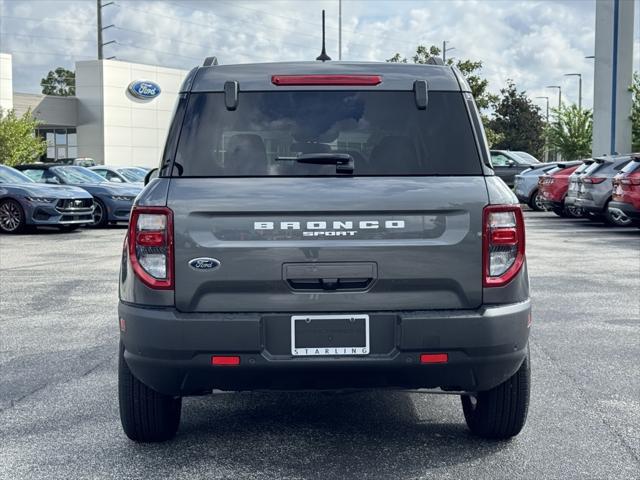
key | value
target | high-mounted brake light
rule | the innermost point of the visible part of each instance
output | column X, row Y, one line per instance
column 503, row 244
column 151, row 246
column 310, row 80
column 593, row 180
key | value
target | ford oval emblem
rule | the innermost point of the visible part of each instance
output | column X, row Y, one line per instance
column 144, row 89
column 204, row 263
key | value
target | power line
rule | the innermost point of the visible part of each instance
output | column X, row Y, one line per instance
column 11, row 34
column 29, row 19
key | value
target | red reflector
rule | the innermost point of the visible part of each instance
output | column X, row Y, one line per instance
column 504, row 236
column 123, row 325
column 224, row 360
column 434, row 358
column 326, row 80
column 150, row 239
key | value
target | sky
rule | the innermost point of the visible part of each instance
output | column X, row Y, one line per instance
column 532, row 42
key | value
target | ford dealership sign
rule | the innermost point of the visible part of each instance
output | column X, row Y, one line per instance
column 144, row 89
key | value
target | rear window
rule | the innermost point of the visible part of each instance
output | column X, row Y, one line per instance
column 633, row 166
column 384, row 132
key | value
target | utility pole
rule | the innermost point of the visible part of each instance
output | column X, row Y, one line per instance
column 579, row 75
column 339, row 29
column 99, row 7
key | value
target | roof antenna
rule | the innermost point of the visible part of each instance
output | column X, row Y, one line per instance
column 323, row 56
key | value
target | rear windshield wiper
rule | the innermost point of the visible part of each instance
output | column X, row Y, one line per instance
column 343, row 161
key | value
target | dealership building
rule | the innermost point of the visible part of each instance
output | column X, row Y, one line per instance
column 119, row 116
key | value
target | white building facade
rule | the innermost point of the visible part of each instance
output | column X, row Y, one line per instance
column 107, row 120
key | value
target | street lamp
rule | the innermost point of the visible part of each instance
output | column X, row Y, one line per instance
column 445, row 50
column 547, row 99
column 546, row 142
column 559, row 94
column 579, row 75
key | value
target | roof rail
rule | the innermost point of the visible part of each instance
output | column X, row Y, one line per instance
column 435, row 61
column 210, row 61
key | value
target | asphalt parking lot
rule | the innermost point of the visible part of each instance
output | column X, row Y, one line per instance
column 58, row 406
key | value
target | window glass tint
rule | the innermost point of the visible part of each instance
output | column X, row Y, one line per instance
column 592, row 168
column 499, row 160
column 582, row 167
column 527, row 158
column 10, row 175
column 34, row 174
column 620, row 166
column 77, row 175
column 631, row 167
column 132, row 174
column 382, row 131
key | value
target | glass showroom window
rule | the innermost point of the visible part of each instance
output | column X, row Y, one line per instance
column 61, row 143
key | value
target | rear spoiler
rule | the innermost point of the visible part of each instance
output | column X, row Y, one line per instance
column 572, row 163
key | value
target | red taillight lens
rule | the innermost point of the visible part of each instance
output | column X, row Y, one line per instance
column 434, row 358
column 225, row 360
column 151, row 246
column 631, row 179
column 593, row 180
column 354, row 80
column 503, row 244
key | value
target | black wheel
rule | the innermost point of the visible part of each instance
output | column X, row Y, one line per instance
column 100, row 216
column 501, row 412
column 12, row 218
column 146, row 415
column 536, row 202
column 616, row 218
column 574, row 212
column 68, row 228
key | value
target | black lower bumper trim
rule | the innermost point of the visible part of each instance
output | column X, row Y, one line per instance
column 171, row 351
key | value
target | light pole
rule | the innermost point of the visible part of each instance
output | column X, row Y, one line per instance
column 445, row 50
column 579, row 75
column 546, row 142
column 100, row 29
column 559, row 94
column 339, row 29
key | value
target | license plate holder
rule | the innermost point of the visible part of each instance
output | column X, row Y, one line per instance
column 329, row 335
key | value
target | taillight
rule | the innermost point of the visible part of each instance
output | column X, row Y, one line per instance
column 632, row 179
column 363, row 80
column 151, row 246
column 502, row 243
column 593, row 180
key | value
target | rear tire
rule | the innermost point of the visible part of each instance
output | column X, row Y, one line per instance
column 616, row 219
column 146, row 415
column 536, row 202
column 500, row 413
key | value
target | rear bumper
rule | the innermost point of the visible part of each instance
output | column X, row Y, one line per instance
column 628, row 209
column 171, row 351
column 589, row 205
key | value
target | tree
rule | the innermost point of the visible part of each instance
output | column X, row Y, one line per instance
column 61, row 82
column 18, row 142
column 518, row 120
column 571, row 132
column 470, row 70
column 635, row 113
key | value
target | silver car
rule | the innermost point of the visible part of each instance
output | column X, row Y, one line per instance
column 526, row 185
column 120, row 174
column 595, row 188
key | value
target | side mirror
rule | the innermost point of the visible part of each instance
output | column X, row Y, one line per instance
column 116, row 180
column 53, row 180
column 151, row 174
column 511, row 163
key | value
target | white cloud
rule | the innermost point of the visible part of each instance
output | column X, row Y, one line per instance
column 532, row 42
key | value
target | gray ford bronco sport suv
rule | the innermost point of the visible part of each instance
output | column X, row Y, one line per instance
column 324, row 225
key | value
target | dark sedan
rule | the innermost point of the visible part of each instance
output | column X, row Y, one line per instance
column 112, row 201
column 25, row 203
column 508, row 164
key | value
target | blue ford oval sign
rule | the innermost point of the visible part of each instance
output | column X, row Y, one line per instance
column 144, row 89
column 204, row 263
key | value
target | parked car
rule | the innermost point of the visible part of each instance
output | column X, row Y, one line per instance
column 507, row 164
column 572, row 189
column 120, row 174
column 596, row 188
column 24, row 203
column 625, row 196
column 527, row 156
column 526, row 185
column 553, row 187
column 324, row 237
column 112, row 202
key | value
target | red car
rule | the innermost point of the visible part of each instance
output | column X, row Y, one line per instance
column 553, row 188
column 626, row 191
